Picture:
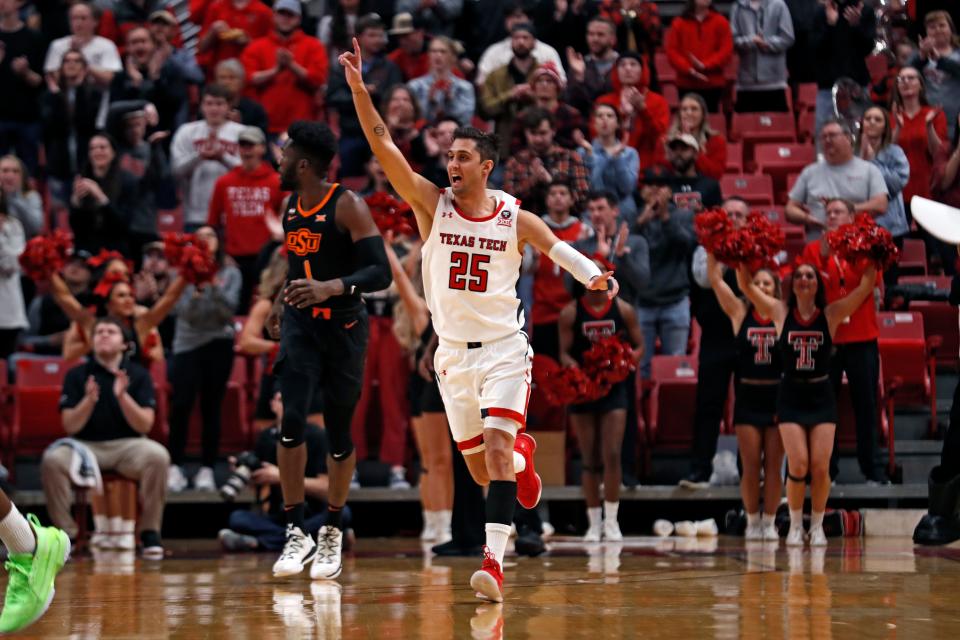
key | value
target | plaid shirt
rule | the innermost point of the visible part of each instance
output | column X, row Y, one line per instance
column 520, row 180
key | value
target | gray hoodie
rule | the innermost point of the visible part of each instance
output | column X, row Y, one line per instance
column 671, row 243
column 761, row 70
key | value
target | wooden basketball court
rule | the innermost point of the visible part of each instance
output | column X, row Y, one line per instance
column 643, row 588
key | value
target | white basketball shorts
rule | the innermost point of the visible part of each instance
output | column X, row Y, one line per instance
column 479, row 380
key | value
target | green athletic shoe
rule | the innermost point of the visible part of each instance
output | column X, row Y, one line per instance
column 30, row 589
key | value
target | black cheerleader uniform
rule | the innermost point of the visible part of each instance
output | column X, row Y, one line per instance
column 758, row 372
column 806, row 395
column 590, row 326
column 424, row 396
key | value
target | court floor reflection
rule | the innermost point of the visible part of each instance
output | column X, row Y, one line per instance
column 644, row 587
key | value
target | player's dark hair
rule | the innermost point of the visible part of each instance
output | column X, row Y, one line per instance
column 533, row 116
column 315, row 142
column 216, row 91
column 611, row 199
column 487, row 143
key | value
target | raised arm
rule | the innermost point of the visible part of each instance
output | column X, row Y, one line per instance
column 413, row 303
column 417, row 191
column 839, row 310
column 67, row 301
column 534, row 231
column 632, row 324
column 733, row 306
column 766, row 305
column 155, row 314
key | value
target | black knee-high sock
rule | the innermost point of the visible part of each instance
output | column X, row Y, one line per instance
column 334, row 517
column 294, row 515
column 501, row 501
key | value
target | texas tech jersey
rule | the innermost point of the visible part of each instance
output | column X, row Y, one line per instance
column 470, row 271
column 317, row 249
column 757, row 354
column 805, row 345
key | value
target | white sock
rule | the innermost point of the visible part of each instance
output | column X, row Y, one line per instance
column 442, row 521
column 101, row 524
column 753, row 520
column 16, row 533
column 595, row 516
column 519, row 462
column 497, row 537
column 816, row 520
column 768, row 518
column 610, row 510
column 796, row 519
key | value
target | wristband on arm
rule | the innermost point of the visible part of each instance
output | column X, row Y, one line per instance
column 575, row 263
column 374, row 272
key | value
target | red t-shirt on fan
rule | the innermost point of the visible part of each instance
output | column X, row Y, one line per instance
column 839, row 279
column 549, row 293
column 238, row 206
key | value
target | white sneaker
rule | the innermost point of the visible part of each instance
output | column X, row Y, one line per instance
column 328, row 563
column 769, row 531
column 176, row 481
column 204, row 480
column 100, row 540
column 297, row 552
column 124, row 542
column 795, row 537
column 398, row 478
column 593, row 533
column 611, row 531
column 753, row 532
column 817, row 537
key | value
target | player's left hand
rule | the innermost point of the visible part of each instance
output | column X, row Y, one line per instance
column 305, row 293
column 605, row 282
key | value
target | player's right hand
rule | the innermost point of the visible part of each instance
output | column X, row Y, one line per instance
column 352, row 67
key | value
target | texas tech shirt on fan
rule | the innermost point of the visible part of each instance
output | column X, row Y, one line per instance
column 470, row 271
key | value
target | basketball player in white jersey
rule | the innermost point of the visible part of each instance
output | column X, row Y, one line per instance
column 473, row 243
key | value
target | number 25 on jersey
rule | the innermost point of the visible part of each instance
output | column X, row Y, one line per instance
column 467, row 272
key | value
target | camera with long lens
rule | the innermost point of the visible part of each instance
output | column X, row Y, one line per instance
column 247, row 463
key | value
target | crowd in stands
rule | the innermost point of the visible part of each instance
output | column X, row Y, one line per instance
column 613, row 124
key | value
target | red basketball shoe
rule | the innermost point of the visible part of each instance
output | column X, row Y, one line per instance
column 488, row 581
column 529, row 485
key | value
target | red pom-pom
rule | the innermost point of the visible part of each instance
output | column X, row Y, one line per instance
column 190, row 255
column 103, row 288
column 106, row 256
column 390, row 214
column 45, row 255
column 608, row 361
column 754, row 244
column 712, row 226
column 561, row 385
column 864, row 240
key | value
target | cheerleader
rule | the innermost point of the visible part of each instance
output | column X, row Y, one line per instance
column 806, row 406
column 600, row 423
column 757, row 382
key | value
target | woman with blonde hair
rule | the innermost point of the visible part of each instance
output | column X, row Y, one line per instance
column 692, row 119
column 23, row 203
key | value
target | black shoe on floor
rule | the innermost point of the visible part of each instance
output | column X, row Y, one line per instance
column 454, row 549
column 529, row 543
column 696, row 480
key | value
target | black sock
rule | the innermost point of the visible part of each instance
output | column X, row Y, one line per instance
column 334, row 517
column 294, row 515
column 501, row 501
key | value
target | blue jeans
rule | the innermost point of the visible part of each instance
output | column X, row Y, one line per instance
column 671, row 323
column 270, row 533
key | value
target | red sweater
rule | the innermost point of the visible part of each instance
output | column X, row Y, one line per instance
column 913, row 141
column 710, row 41
column 646, row 129
column 549, row 293
column 286, row 98
column 839, row 279
column 256, row 20
column 238, row 205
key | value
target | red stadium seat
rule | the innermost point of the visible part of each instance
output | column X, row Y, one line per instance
column 672, row 401
column 36, row 395
column 6, row 417
column 666, row 74
column 235, row 432
column 734, row 157
column 905, row 356
column 846, row 424
column 755, row 189
column 806, row 125
column 780, row 160
column 806, row 97
column 170, row 220
column 730, row 71
column 718, row 122
column 913, row 258
column 877, row 67
column 940, row 320
column 763, row 127
column 671, row 95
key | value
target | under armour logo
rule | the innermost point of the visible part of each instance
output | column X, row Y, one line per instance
column 446, row 214
column 443, row 372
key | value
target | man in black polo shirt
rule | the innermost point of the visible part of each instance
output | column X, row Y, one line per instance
column 108, row 405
